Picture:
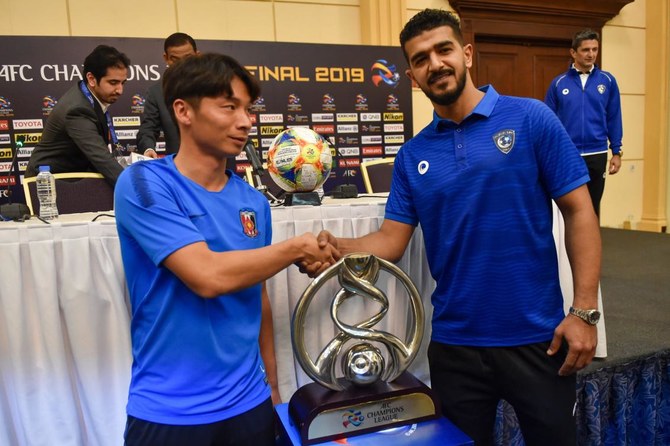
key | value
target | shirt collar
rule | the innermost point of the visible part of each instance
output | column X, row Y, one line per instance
column 102, row 104
column 484, row 108
column 583, row 72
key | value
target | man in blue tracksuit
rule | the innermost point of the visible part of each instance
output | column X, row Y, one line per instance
column 586, row 99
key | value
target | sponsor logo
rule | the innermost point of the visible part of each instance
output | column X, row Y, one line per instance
column 273, row 118
column 347, row 117
column 266, row 142
column 349, row 162
column 297, row 118
column 25, row 152
column 27, row 138
column 4, row 124
column 20, row 124
column 271, row 129
column 126, row 134
column 253, row 118
column 392, row 102
column 5, row 139
column 349, row 173
column 253, row 131
column 6, row 152
column 399, row 116
column 372, row 151
column 371, row 139
column 349, row 151
column 371, row 128
column 391, row 150
column 347, row 140
column 295, row 126
column 371, row 117
column 160, row 146
column 22, row 165
column 6, row 167
column 391, row 128
column 394, row 139
column 323, row 117
column 324, row 128
column 7, row 181
column 347, row 128
column 242, row 167
column 126, row 121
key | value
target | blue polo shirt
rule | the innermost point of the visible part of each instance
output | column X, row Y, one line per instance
column 481, row 191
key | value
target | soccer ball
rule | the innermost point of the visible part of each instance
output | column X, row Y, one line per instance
column 299, row 160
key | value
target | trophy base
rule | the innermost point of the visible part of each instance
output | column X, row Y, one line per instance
column 322, row 414
column 302, row 199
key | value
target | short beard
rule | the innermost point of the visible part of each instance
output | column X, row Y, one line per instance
column 448, row 97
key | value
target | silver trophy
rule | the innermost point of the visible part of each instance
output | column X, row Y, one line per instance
column 372, row 393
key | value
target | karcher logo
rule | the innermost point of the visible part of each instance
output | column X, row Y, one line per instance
column 126, row 121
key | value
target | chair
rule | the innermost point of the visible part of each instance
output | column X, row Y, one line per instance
column 75, row 192
column 377, row 175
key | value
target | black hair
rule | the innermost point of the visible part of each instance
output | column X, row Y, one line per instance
column 205, row 75
column 586, row 34
column 427, row 20
column 178, row 39
column 102, row 58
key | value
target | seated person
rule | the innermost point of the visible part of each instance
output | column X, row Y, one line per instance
column 79, row 135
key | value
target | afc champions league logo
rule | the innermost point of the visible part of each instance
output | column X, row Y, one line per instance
column 361, row 361
column 385, row 73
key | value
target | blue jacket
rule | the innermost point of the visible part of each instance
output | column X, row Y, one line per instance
column 592, row 115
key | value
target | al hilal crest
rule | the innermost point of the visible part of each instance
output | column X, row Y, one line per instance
column 248, row 220
column 504, row 140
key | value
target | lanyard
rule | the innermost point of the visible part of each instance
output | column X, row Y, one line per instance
column 110, row 126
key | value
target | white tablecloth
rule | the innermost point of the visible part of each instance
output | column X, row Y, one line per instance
column 64, row 319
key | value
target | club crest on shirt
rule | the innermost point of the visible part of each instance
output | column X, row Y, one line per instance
column 504, row 140
column 601, row 89
column 248, row 220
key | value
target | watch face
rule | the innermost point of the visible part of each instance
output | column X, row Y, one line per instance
column 594, row 316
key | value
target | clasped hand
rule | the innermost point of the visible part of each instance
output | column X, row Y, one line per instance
column 327, row 255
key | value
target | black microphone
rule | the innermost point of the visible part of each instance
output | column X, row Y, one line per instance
column 15, row 211
column 252, row 156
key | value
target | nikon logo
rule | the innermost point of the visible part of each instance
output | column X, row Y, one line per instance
column 5, row 152
column 393, row 116
column 28, row 138
column 271, row 129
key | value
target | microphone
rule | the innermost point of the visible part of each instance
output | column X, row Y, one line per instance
column 16, row 211
column 252, row 156
column 258, row 170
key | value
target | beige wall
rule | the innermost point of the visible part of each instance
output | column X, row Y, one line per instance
column 351, row 22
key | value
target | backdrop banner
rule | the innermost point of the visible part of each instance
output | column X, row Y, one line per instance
column 357, row 96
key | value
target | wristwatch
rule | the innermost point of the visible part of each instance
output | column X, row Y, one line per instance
column 620, row 153
column 591, row 317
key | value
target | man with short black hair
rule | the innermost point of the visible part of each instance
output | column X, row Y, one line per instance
column 587, row 101
column 197, row 287
column 79, row 135
column 156, row 117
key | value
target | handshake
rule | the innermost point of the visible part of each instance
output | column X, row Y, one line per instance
column 319, row 253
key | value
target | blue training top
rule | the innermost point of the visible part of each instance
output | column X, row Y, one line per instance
column 195, row 360
column 482, row 191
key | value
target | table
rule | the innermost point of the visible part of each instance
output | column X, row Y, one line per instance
column 64, row 319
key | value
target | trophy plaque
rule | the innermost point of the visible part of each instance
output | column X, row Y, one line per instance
column 373, row 391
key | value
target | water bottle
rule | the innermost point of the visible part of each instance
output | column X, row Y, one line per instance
column 46, row 193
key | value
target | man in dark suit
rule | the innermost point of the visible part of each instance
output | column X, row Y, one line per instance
column 156, row 115
column 79, row 134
